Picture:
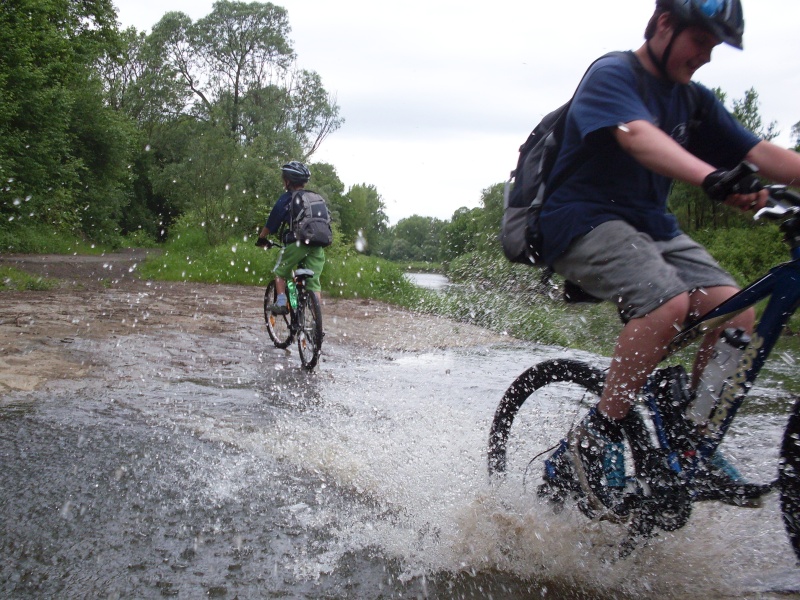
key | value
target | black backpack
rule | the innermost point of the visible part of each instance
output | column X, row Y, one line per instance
column 310, row 220
column 525, row 191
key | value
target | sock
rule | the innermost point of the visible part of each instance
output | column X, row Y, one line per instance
column 281, row 300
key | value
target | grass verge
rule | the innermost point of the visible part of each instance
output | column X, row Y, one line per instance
column 15, row 280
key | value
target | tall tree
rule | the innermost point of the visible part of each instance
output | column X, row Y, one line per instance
column 417, row 238
column 362, row 215
column 238, row 69
column 232, row 73
column 62, row 150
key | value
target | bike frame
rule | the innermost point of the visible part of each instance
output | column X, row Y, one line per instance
column 782, row 286
column 300, row 286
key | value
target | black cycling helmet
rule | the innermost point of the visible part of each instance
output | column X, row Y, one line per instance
column 723, row 18
column 295, row 172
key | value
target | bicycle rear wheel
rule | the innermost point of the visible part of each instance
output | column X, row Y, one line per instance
column 278, row 326
column 789, row 479
column 309, row 337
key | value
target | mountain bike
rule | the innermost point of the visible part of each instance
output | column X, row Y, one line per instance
column 303, row 321
column 664, row 455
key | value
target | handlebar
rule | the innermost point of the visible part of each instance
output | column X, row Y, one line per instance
column 782, row 203
column 267, row 243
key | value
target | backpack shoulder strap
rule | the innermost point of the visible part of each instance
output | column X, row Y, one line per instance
column 698, row 108
column 297, row 197
column 558, row 127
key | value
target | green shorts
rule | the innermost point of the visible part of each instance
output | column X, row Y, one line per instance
column 312, row 257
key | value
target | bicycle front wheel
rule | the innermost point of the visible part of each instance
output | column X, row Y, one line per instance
column 278, row 326
column 556, row 394
column 789, row 479
column 309, row 338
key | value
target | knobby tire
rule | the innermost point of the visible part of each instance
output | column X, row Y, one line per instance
column 789, row 479
column 667, row 509
column 533, row 379
column 278, row 326
column 309, row 337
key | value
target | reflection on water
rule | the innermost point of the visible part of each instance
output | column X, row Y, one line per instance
column 429, row 281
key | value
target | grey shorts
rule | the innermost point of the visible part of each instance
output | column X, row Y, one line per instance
column 616, row 262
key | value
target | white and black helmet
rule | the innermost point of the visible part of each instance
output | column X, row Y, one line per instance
column 295, row 172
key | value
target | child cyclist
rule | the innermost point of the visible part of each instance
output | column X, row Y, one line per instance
column 607, row 227
column 295, row 176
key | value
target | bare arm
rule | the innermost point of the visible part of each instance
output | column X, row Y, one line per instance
column 654, row 149
column 776, row 163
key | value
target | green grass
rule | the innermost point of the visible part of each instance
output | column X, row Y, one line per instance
column 534, row 317
column 15, row 280
column 39, row 239
column 347, row 273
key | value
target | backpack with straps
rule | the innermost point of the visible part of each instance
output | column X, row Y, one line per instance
column 528, row 187
column 310, row 219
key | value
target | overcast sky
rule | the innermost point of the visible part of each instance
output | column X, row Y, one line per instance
column 437, row 95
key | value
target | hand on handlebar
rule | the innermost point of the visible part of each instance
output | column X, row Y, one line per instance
column 738, row 187
column 264, row 242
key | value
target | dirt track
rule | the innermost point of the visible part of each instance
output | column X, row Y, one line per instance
column 102, row 297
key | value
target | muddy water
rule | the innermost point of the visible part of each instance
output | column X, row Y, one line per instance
column 365, row 479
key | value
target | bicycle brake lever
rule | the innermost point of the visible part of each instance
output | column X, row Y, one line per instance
column 774, row 212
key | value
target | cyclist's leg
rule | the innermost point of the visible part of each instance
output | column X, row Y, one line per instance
column 618, row 263
column 287, row 260
column 681, row 280
column 640, row 347
column 315, row 260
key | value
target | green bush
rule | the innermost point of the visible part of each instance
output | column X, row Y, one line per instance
column 746, row 253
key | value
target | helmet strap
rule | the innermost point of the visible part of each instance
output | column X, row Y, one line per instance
column 661, row 63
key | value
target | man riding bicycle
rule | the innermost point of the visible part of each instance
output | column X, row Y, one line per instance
column 295, row 176
column 607, row 227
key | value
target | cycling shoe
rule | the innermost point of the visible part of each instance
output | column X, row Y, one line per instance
column 279, row 309
column 597, row 461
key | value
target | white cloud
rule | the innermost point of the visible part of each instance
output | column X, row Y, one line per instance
column 438, row 94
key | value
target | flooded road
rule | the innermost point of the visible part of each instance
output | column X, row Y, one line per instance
column 198, row 462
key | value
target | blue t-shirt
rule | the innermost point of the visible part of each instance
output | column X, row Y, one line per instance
column 611, row 184
column 280, row 213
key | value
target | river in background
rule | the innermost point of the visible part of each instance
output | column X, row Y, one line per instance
column 430, row 281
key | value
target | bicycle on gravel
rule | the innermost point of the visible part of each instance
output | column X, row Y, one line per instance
column 303, row 322
column 663, row 454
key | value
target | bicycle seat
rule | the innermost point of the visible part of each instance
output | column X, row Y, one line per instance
column 304, row 273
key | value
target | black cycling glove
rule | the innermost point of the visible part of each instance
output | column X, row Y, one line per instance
column 741, row 180
column 263, row 242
